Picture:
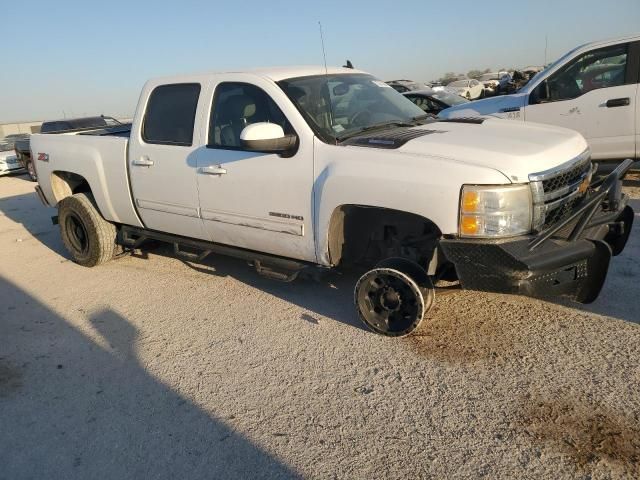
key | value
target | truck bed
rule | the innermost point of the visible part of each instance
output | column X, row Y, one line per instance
column 100, row 157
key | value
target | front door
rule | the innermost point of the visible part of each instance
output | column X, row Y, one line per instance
column 162, row 161
column 257, row 201
column 596, row 95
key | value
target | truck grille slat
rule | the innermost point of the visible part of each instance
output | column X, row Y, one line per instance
column 556, row 192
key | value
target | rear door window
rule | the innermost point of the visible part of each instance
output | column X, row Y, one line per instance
column 57, row 126
column 171, row 114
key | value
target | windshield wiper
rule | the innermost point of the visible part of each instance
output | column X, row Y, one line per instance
column 376, row 126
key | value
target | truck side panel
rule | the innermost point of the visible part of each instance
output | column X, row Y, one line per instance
column 101, row 161
column 365, row 176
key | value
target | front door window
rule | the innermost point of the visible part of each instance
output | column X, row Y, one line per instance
column 602, row 68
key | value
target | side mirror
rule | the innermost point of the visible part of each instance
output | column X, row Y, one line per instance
column 267, row 137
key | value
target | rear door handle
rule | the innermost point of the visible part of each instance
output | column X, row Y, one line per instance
column 213, row 170
column 618, row 102
column 143, row 161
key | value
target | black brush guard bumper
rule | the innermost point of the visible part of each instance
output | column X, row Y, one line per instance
column 570, row 258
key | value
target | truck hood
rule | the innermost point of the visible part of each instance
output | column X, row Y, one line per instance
column 488, row 106
column 515, row 149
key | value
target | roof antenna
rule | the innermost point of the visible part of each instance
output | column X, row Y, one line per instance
column 324, row 55
column 326, row 74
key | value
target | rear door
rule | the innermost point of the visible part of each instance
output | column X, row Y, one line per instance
column 595, row 94
column 162, row 160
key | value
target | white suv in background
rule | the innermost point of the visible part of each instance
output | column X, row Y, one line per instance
column 592, row 89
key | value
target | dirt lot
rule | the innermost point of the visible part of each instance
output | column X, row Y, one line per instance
column 150, row 367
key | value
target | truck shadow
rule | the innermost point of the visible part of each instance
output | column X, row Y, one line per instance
column 28, row 211
column 75, row 407
column 330, row 295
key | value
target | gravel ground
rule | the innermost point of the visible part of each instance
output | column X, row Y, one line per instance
column 150, row 367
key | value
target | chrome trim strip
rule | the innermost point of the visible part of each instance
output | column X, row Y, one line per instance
column 557, row 203
column 183, row 210
column 584, row 157
column 269, row 224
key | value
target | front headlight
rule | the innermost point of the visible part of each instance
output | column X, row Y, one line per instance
column 495, row 211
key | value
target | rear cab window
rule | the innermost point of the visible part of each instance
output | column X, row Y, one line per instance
column 170, row 115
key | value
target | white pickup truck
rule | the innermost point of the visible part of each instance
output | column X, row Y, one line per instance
column 594, row 89
column 300, row 169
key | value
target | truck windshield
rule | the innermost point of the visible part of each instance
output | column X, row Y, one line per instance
column 339, row 106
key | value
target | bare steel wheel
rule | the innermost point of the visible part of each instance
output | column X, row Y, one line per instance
column 389, row 301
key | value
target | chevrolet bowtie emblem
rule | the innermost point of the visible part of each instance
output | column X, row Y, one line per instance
column 585, row 184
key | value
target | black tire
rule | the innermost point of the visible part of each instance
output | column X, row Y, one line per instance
column 393, row 298
column 31, row 171
column 89, row 238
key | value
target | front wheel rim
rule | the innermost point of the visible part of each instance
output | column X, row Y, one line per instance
column 389, row 302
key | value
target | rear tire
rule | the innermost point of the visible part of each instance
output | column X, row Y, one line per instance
column 89, row 238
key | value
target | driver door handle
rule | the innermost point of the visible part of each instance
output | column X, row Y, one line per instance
column 143, row 161
column 618, row 102
column 213, row 170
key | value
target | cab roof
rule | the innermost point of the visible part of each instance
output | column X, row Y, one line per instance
column 273, row 73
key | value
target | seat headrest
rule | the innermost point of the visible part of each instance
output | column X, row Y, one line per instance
column 237, row 107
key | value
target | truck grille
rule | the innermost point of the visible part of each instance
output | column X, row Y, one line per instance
column 557, row 191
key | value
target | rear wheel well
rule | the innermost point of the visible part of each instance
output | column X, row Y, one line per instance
column 363, row 235
column 65, row 184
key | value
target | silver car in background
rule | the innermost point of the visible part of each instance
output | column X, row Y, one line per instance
column 8, row 159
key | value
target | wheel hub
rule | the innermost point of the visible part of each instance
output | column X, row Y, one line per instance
column 390, row 299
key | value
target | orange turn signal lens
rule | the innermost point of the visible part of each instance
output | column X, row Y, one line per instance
column 469, row 225
column 470, row 201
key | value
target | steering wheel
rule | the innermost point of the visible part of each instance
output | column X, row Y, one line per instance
column 360, row 118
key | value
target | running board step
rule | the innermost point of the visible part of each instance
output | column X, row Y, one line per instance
column 271, row 266
column 190, row 256
column 275, row 273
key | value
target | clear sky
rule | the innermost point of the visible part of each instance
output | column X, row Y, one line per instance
column 81, row 58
